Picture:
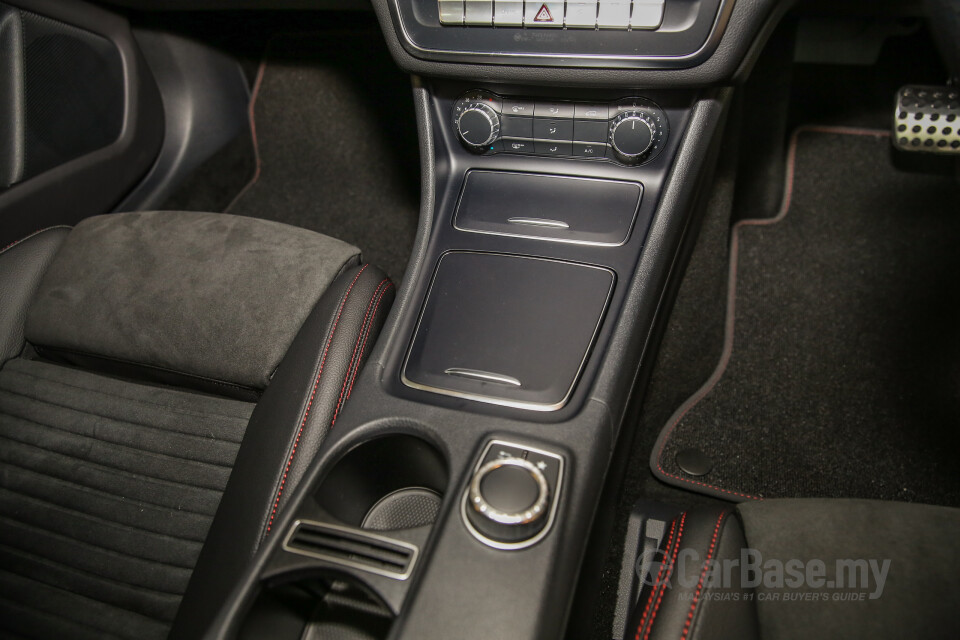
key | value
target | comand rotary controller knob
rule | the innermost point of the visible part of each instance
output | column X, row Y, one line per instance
column 478, row 125
column 508, row 500
column 631, row 135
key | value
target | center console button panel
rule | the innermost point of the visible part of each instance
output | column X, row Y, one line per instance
column 487, row 123
column 512, row 497
column 572, row 14
column 507, row 13
column 508, row 330
column 589, row 211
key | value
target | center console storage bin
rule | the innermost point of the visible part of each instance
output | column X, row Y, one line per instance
column 558, row 208
column 507, row 329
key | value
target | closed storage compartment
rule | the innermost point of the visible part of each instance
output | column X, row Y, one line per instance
column 545, row 207
column 506, row 329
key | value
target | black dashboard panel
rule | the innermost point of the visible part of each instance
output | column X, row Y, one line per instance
column 714, row 46
column 688, row 34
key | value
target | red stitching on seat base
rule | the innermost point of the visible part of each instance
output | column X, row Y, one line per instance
column 313, row 394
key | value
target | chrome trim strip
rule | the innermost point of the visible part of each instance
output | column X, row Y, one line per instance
column 540, row 222
column 506, row 402
column 554, row 505
column 415, row 550
column 525, row 516
column 486, row 376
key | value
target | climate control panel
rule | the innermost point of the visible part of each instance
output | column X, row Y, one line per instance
column 629, row 131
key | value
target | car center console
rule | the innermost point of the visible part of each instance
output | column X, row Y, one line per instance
column 459, row 486
column 532, row 248
column 456, row 495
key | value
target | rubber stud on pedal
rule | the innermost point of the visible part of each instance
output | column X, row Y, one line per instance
column 927, row 119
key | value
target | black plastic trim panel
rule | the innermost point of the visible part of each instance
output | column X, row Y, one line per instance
column 93, row 183
column 690, row 32
column 453, row 163
column 463, row 588
column 749, row 24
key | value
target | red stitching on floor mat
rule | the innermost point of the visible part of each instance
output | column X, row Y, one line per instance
column 251, row 117
column 727, row 354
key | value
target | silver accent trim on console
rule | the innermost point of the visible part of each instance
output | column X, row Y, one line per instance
column 486, row 376
column 540, row 222
column 415, row 550
column 554, row 504
column 530, row 514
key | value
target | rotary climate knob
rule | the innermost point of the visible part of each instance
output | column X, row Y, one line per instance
column 631, row 135
column 478, row 125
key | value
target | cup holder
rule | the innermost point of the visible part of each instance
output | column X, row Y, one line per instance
column 316, row 608
column 391, row 483
column 391, row 487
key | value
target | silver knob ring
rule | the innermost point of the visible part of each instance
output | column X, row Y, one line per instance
column 531, row 513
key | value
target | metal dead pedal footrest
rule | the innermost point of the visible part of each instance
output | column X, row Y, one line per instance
column 927, row 119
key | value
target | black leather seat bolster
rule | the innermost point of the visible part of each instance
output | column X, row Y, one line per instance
column 298, row 408
column 827, row 568
column 22, row 265
column 915, row 597
column 684, row 592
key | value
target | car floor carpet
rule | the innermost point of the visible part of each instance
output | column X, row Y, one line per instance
column 336, row 144
column 840, row 372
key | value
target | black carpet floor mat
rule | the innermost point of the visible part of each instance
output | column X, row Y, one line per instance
column 337, row 146
column 840, row 375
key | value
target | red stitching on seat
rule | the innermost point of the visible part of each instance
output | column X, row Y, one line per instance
column 673, row 561
column 703, row 574
column 663, row 588
column 35, row 233
column 353, row 356
column 366, row 335
column 657, row 583
column 306, row 413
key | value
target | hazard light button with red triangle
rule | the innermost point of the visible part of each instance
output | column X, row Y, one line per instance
column 543, row 14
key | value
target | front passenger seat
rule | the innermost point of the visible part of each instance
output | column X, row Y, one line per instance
column 804, row 568
column 166, row 380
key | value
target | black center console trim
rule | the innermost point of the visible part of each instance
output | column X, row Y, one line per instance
column 690, row 32
column 346, row 547
column 453, row 162
column 749, row 25
column 462, row 588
